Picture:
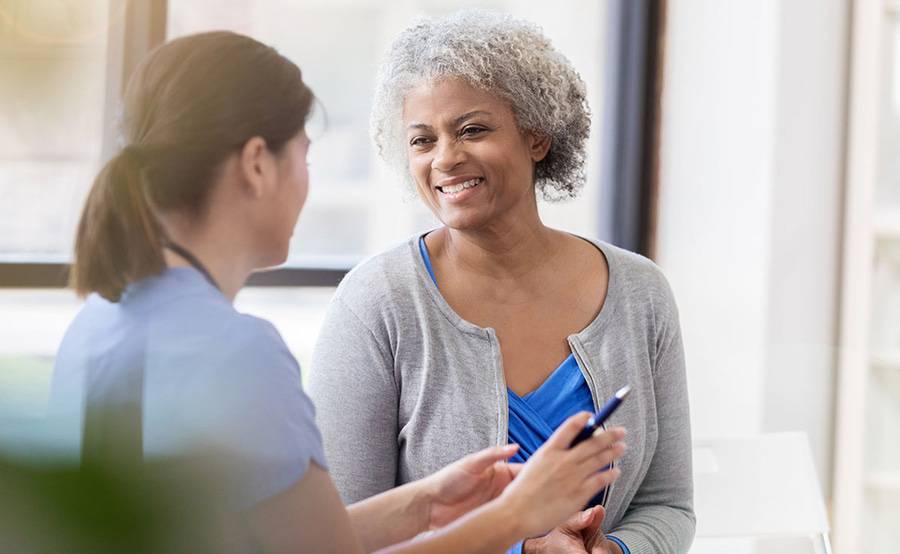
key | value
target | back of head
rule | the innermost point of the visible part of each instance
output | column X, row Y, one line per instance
column 189, row 105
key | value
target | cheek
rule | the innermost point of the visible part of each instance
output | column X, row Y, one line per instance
column 303, row 184
column 291, row 200
column 420, row 171
column 513, row 167
column 420, row 168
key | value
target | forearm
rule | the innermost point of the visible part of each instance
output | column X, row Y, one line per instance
column 489, row 529
column 392, row 516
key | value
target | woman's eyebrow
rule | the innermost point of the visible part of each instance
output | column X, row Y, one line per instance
column 468, row 115
column 456, row 121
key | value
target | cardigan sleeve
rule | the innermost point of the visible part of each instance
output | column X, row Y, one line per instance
column 660, row 518
column 352, row 384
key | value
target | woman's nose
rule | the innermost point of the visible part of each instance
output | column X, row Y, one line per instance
column 448, row 155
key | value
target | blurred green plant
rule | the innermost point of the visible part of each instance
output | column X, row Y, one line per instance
column 172, row 505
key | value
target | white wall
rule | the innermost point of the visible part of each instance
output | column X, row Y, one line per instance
column 750, row 178
column 806, row 216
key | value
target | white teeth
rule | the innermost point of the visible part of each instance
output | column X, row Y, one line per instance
column 459, row 187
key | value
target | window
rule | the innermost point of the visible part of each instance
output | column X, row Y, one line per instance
column 356, row 206
column 58, row 110
column 52, row 95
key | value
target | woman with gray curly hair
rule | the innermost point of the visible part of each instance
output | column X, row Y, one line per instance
column 494, row 328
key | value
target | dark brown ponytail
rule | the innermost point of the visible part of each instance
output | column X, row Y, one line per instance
column 190, row 104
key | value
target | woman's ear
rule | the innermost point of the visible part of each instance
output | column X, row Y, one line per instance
column 256, row 164
column 538, row 146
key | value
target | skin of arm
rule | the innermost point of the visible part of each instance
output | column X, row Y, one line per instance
column 309, row 517
column 327, row 527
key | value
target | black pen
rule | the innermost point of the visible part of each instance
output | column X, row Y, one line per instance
column 599, row 418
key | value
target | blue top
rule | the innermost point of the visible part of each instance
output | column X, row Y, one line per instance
column 211, row 377
column 535, row 416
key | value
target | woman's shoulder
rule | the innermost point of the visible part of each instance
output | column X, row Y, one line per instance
column 384, row 279
column 637, row 280
column 178, row 314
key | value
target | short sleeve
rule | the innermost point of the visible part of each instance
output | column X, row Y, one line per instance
column 246, row 402
column 273, row 426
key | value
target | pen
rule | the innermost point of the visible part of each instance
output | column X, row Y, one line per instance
column 602, row 415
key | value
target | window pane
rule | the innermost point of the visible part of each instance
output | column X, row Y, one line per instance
column 31, row 327
column 53, row 58
column 356, row 207
column 53, row 63
column 33, row 322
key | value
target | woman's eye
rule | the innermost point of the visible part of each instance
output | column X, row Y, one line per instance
column 471, row 130
column 418, row 141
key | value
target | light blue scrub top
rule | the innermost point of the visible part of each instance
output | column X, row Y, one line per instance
column 212, row 377
column 535, row 416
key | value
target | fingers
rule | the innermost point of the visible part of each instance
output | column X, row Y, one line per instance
column 515, row 469
column 601, row 460
column 599, row 442
column 598, row 480
column 580, row 520
column 595, row 519
column 567, row 432
column 599, row 514
column 484, row 459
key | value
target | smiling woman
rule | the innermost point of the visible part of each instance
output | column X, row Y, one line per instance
column 467, row 155
column 520, row 69
column 495, row 327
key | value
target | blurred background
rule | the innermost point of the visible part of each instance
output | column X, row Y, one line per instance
column 749, row 147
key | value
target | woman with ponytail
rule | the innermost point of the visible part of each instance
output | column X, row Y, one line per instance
column 208, row 189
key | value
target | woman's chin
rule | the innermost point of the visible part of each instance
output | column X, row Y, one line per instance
column 273, row 259
column 464, row 220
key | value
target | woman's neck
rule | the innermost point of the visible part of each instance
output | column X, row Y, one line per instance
column 221, row 254
column 508, row 251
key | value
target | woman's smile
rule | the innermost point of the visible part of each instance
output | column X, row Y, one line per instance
column 456, row 191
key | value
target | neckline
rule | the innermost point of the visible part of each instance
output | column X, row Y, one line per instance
column 190, row 258
column 555, row 376
column 185, row 279
column 598, row 323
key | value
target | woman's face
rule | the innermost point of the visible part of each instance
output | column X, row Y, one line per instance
column 471, row 164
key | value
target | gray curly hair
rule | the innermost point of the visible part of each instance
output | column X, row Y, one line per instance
column 503, row 55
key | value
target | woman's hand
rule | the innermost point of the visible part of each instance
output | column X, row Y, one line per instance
column 594, row 539
column 581, row 533
column 558, row 481
column 469, row 483
column 570, row 538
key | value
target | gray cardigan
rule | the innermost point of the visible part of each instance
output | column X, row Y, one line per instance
column 403, row 386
